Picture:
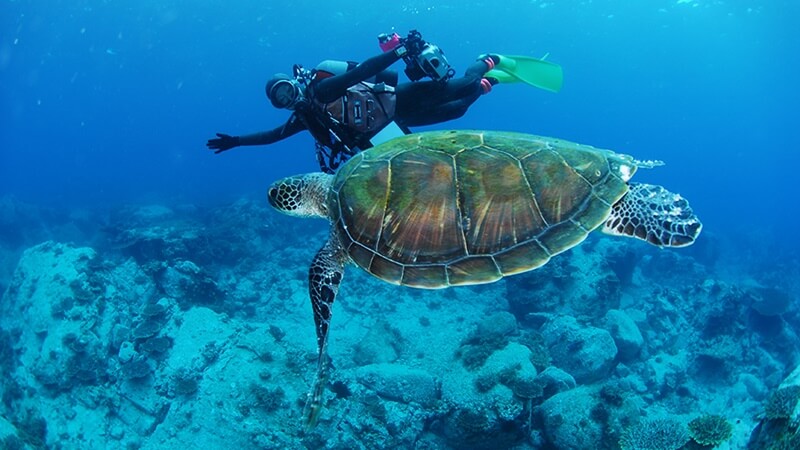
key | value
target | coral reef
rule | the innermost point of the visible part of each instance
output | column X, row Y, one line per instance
column 655, row 434
column 710, row 430
column 181, row 323
column 782, row 403
column 780, row 426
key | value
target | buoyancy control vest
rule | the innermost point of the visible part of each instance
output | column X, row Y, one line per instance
column 364, row 109
column 343, row 127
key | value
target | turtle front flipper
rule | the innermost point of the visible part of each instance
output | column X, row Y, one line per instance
column 653, row 214
column 324, row 277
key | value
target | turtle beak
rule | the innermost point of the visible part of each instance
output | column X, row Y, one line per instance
column 272, row 197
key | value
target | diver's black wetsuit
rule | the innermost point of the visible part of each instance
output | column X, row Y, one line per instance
column 418, row 103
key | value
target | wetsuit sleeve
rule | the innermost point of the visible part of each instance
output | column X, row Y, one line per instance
column 330, row 89
column 291, row 127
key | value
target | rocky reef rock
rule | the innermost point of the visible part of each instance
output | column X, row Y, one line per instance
column 567, row 420
column 190, row 284
column 554, row 381
column 382, row 344
column 55, row 306
column 626, row 334
column 578, row 282
column 768, row 301
column 586, row 353
column 399, row 383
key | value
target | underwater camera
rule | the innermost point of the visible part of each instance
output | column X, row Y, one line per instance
column 422, row 59
column 430, row 62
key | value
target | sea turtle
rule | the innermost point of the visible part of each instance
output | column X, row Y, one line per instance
column 448, row 208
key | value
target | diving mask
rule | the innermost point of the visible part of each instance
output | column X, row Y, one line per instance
column 285, row 93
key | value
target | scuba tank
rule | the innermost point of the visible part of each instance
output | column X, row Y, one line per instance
column 331, row 67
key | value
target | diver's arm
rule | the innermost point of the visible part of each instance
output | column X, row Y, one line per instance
column 269, row 137
column 225, row 142
column 330, row 89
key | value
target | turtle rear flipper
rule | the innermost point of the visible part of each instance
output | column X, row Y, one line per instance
column 653, row 214
column 324, row 277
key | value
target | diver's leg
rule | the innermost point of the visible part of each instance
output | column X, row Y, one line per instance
column 479, row 68
column 441, row 113
column 428, row 102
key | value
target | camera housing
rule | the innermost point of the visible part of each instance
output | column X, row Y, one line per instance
column 430, row 62
column 422, row 59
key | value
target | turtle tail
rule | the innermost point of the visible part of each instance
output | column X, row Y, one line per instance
column 653, row 214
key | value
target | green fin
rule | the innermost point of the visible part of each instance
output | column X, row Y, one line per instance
column 536, row 72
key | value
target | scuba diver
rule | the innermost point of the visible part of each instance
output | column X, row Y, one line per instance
column 349, row 107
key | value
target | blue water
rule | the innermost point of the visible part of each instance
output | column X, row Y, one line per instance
column 109, row 102
column 105, row 104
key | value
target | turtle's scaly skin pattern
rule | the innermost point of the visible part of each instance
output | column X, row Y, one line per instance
column 440, row 209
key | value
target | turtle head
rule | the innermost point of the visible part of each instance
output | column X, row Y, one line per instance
column 301, row 195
